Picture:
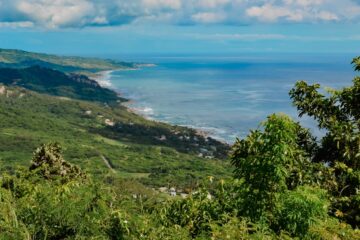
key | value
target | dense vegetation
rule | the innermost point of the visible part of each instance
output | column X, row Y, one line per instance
column 56, row 200
column 286, row 184
column 22, row 59
column 90, row 131
column 53, row 82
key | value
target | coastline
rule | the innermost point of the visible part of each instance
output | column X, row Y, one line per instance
column 103, row 78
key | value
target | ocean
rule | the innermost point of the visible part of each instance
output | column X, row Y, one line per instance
column 228, row 95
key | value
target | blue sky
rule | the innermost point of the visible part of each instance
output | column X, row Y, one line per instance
column 90, row 27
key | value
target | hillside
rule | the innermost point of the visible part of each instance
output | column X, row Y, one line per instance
column 53, row 82
column 155, row 153
column 22, row 59
column 40, row 105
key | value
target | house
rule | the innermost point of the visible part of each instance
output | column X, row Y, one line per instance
column 109, row 122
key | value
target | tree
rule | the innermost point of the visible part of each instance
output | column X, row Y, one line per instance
column 265, row 161
column 338, row 113
column 48, row 161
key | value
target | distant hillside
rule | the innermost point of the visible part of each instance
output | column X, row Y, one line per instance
column 99, row 137
column 23, row 59
column 56, row 83
column 39, row 103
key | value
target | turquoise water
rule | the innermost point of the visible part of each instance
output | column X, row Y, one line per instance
column 226, row 96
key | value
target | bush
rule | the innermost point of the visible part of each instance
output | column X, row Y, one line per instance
column 331, row 228
column 49, row 163
column 265, row 160
column 301, row 208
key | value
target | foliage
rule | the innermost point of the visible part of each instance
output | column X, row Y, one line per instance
column 57, row 211
column 49, row 162
column 34, row 207
column 330, row 228
column 337, row 112
column 214, row 214
column 10, row 226
column 356, row 63
column 302, row 208
column 286, row 185
column 211, row 212
column 265, row 161
column 195, row 213
column 61, row 207
column 238, row 229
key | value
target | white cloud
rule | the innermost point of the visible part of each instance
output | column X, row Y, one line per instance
column 304, row 3
column 351, row 11
column 159, row 4
column 100, row 20
column 270, row 13
column 208, row 17
column 82, row 13
column 56, row 13
column 16, row 24
column 327, row 16
column 212, row 3
column 295, row 11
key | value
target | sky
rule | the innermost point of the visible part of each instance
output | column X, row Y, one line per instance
column 93, row 27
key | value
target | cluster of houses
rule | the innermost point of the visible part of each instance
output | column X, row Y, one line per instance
column 8, row 93
column 173, row 192
column 203, row 152
column 107, row 121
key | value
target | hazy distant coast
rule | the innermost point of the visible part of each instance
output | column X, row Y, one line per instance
column 103, row 77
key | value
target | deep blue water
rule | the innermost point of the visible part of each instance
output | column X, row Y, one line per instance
column 226, row 96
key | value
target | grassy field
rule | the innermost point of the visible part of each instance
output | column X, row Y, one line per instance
column 90, row 131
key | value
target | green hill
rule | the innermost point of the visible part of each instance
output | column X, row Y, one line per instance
column 40, row 104
column 91, row 132
column 22, row 59
column 53, row 82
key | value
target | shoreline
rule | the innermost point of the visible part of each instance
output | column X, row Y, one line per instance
column 103, row 78
column 198, row 130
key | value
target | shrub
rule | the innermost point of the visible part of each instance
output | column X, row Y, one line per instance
column 301, row 208
column 48, row 161
column 265, row 161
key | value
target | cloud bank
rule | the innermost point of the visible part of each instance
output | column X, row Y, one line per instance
column 53, row 14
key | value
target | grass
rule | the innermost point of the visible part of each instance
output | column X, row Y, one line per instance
column 130, row 146
column 110, row 141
